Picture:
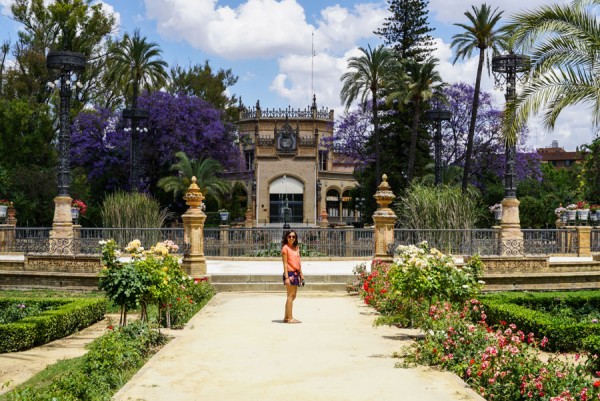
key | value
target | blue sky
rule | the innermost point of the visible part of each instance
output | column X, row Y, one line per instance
column 267, row 43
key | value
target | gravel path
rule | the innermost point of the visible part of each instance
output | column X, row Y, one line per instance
column 237, row 348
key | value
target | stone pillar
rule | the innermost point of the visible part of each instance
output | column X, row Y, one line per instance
column 384, row 219
column 7, row 230
column 61, row 235
column 511, row 235
column 349, row 238
column 584, row 243
column 10, row 215
column 194, row 262
column 224, row 240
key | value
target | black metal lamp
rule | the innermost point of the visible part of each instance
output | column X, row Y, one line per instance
column 67, row 64
column 437, row 116
column 135, row 115
column 506, row 69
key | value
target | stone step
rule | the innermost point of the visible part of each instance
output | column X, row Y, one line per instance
column 542, row 281
column 274, row 283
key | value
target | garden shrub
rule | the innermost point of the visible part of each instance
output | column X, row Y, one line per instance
column 151, row 277
column 419, row 276
column 501, row 363
column 111, row 361
column 547, row 314
column 69, row 316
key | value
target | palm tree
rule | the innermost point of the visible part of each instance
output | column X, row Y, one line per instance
column 206, row 172
column 365, row 78
column 136, row 63
column 563, row 44
column 418, row 84
column 481, row 34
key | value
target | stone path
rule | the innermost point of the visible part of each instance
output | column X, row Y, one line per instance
column 237, row 348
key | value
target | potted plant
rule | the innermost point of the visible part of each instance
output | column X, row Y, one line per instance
column 583, row 210
column 561, row 213
column 497, row 210
column 572, row 212
column 594, row 213
column 4, row 204
column 78, row 207
column 224, row 213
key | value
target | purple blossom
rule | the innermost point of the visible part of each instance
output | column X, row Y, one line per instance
column 100, row 139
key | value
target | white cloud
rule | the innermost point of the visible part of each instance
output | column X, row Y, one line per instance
column 262, row 28
column 110, row 10
column 452, row 11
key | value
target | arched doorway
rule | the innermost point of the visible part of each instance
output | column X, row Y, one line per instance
column 333, row 205
column 286, row 200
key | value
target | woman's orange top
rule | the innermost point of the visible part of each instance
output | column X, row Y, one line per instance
column 293, row 257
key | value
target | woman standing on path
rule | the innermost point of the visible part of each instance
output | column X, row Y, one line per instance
column 292, row 271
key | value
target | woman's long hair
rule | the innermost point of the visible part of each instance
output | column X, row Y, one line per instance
column 285, row 237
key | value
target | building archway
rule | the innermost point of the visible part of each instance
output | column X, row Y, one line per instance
column 286, row 200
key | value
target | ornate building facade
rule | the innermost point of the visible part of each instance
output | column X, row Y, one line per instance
column 291, row 173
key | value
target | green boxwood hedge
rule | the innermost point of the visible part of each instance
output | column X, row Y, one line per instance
column 66, row 317
column 520, row 309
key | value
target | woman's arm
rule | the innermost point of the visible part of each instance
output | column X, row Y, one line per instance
column 284, row 256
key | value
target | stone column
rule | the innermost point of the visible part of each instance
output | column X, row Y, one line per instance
column 584, row 243
column 511, row 235
column 384, row 219
column 61, row 235
column 194, row 262
column 7, row 230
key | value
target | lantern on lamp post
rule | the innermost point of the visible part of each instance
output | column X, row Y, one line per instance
column 68, row 64
column 507, row 69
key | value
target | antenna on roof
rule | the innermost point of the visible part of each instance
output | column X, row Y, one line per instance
column 312, row 64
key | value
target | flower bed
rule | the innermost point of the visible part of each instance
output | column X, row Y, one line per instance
column 491, row 344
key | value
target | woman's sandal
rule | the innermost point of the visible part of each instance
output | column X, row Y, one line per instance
column 292, row 321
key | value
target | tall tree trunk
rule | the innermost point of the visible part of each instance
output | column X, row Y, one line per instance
column 376, row 134
column 412, row 153
column 469, row 153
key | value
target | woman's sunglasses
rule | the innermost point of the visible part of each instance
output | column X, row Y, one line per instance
column 291, row 236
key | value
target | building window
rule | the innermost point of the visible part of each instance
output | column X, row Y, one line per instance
column 323, row 160
column 249, row 160
column 333, row 203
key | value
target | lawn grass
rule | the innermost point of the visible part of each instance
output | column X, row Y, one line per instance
column 46, row 377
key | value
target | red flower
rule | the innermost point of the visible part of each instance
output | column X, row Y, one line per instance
column 111, row 327
column 597, row 383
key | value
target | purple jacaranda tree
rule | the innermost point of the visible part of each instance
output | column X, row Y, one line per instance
column 100, row 139
column 488, row 143
column 352, row 134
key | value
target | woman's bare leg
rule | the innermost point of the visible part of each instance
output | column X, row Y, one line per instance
column 289, row 303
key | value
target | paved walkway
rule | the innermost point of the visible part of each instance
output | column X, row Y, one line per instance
column 237, row 348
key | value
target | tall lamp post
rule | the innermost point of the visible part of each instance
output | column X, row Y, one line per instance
column 136, row 115
column 437, row 116
column 67, row 64
column 506, row 69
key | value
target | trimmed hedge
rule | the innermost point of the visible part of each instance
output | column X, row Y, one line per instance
column 519, row 308
column 67, row 317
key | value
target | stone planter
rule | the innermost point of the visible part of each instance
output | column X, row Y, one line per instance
column 3, row 210
column 582, row 215
column 74, row 213
column 498, row 214
column 571, row 215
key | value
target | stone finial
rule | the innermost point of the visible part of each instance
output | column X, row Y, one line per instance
column 384, row 195
column 324, row 216
column 11, row 213
column 193, row 197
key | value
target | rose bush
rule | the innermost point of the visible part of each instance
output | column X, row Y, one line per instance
column 149, row 277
